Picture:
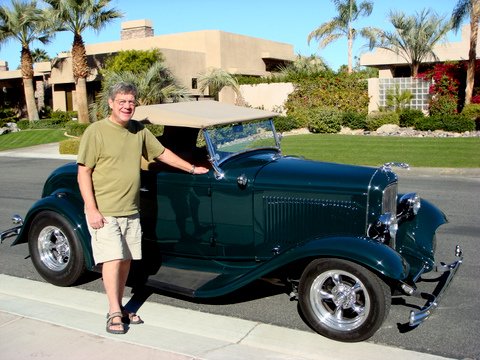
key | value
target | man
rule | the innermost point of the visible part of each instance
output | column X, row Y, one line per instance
column 109, row 160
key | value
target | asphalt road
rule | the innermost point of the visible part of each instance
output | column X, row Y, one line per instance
column 452, row 331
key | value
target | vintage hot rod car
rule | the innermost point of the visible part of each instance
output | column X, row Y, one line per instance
column 339, row 235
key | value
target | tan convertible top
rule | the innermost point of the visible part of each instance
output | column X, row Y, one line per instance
column 198, row 114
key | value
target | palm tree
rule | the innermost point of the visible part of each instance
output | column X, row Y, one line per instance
column 414, row 37
column 155, row 85
column 342, row 25
column 39, row 55
column 463, row 9
column 78, row 16
column 215, row 79
column 25, row 23
column 303, row 67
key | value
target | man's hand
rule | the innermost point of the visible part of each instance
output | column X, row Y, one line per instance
column 95, row 219
column 198, row 170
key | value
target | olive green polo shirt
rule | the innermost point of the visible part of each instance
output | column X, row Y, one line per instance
column 114, row 154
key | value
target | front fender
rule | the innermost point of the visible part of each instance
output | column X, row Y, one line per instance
column 416, row 239
column 367, row 252
column 71, row 209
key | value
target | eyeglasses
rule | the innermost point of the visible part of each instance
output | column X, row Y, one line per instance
column 124, row 103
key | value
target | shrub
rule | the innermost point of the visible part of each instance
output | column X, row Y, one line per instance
column 156, row 130
column 453, row 123
column 23, row 124
column 354, row 120
column 3, row 122
column 443, row 105
column 472, row 111
column 324, row 120
column 458, row 123
column 286, row 123
column 47, row 124
column 429, row 123
column 377, row 119
column 69, row 146
column 45, row 112
column 345, row 92
column 63, row 116
column 8, row 115
column 74, row 128
column 409, row 117
column 41, row 124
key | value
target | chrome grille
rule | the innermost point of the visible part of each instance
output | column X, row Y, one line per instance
column 291, row 219
column 389, row 201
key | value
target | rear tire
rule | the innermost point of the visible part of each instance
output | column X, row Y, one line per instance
column 343, row 300
column 56, row 251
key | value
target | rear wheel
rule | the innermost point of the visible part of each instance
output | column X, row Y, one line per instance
column 56, row 251
column 343, row 300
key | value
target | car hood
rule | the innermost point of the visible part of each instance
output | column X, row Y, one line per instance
column 306, row 175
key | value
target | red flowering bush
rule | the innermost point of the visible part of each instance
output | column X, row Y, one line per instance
column 448, row 85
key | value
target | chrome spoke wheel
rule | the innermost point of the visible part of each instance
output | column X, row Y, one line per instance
column 56, row 250
column 53, row 248
column 343, row 300
column 339, row 300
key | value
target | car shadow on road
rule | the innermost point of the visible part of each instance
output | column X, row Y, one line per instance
column 256, row 290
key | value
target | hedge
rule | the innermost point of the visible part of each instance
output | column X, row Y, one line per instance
column 453, row 123
column 377, row 119
column 324, row 120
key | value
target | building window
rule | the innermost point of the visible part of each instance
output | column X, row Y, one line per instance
column 418, row 87
column 194, row 83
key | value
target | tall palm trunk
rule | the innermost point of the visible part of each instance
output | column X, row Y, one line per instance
column 82, row 100
column 472, row 53
column 80, row 73
column 350, row 46
column 29, row 90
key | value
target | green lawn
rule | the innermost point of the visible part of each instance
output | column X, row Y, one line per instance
column 361, row 150
column 26, row 138
column 376, row 150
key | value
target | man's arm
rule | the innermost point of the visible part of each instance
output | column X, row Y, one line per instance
column 94, row 217
column 170, row 158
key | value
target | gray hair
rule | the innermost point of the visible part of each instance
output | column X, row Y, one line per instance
column 122, row 88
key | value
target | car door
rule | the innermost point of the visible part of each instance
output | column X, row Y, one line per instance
column 176, row 213
column 232, row 215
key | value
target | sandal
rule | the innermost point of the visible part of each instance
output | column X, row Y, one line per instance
column 110, row 323
column 130, row 318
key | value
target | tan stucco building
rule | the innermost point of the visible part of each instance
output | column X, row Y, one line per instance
column 187, row 55
column 394, row 71
column 391, row 65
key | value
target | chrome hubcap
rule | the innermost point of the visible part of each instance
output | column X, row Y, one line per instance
column 340, row 300
column 54, row 248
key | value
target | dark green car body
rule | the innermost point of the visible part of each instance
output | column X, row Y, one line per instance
column 259, row 214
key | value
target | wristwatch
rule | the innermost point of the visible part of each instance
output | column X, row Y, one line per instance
column 192, row 171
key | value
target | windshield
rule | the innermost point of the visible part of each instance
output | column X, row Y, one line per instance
column 228, row 140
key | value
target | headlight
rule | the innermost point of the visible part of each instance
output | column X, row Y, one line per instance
column 384, row 229
column 408, row 206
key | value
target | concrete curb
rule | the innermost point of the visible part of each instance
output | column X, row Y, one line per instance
column 180, row 333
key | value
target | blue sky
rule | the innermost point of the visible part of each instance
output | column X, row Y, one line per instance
column 278, row 20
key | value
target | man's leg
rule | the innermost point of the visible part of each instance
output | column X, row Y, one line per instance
column 115, row 274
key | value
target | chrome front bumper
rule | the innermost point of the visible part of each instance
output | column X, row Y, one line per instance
column 12, row 231
column 419, row 316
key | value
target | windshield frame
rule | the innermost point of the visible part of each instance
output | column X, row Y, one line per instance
column 235, row 135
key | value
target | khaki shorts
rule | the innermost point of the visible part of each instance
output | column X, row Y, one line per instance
column 119, row 239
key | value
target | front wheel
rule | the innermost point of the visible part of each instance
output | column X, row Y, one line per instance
column 56, row 251
column 343, row 300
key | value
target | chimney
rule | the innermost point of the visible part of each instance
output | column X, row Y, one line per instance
column 136, row 29
column 3, row 65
